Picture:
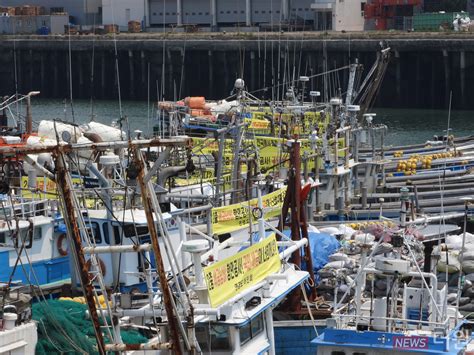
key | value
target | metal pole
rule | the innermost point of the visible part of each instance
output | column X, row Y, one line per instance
column 213, row 13
column 350, row 84
column 220, row 158
column 29, row 119
column 466, row 210
column 179, row 13
column 270, row 333
column 248, row 13
column 74, row 235
column 295, row 185
column 236, row 162
column 106, row 196
column 147, row 206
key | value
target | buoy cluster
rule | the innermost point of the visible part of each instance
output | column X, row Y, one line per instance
column 422, row 161
column 82, row 300
column 398, row 154
column 409, row 166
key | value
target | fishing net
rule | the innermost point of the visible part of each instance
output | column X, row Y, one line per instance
column 63, row 328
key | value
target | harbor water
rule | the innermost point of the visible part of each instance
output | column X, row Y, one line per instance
column 406, row 126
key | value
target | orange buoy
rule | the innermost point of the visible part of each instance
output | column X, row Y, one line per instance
column 195, row 102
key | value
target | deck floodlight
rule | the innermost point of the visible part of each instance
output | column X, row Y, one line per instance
column 369, row 117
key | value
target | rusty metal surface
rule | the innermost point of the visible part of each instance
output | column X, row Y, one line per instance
column 70, row 148
column 298, row 224
column 75, row 235
column 147, row 206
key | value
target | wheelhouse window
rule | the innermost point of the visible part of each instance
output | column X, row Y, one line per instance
column 251, row 329
column 37, row 233
column 245, row 334
column 129, row 231
column 213, row 337
column 93, row 230
column 105, row 230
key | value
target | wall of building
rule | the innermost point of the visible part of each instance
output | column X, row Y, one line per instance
column 119, row 12
column 31, row 24
column 163, row 12
column 196, row 12
column 267, row 11
column 82, row 12
column 229, row 12
column 301, row 10
column 348, row 16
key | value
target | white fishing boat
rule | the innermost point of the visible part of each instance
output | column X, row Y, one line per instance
column 413, row 315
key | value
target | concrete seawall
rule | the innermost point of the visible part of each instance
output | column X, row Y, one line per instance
column 424, row 69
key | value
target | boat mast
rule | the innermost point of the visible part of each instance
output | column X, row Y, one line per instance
column 298, row 222
column 147, row 206
column 239, row 87
column 76, row 241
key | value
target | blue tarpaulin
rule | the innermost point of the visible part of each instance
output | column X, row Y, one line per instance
column 322, row 246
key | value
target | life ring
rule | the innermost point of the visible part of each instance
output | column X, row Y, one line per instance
column 63, row 251
column 101, row 265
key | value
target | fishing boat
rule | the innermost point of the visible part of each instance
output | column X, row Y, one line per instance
column 412, row 315
column 225, row 306
column 18, row 333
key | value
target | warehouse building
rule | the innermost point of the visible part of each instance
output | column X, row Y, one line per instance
column 209, row 13
column 81, row 12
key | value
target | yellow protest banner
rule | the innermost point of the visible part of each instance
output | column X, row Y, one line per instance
column 258, row 126
column 226, row 278
column 230, row 218
column 45, row 188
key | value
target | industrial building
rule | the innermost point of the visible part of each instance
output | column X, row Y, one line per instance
column 33, row 24
column 81, row 12
column 214, row 14
column 338, row 15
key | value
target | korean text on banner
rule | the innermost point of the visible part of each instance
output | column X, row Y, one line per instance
column 227, row 278
column 230, row 218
